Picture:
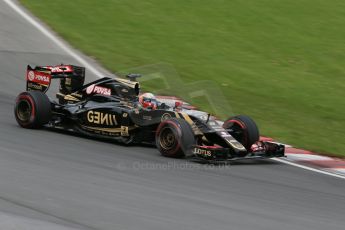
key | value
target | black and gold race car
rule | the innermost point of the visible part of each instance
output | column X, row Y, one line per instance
column 109, row 108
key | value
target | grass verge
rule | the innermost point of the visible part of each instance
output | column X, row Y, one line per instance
column 281, row 62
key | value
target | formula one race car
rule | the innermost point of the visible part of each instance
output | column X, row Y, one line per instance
column 113, row 108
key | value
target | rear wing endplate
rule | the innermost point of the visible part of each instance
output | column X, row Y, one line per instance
column 39, row 78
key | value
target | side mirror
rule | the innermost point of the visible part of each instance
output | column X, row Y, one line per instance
column 133, row 76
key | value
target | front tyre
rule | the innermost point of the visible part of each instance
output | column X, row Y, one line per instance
column 32, row 109
column 243, row 129
column 174, row 138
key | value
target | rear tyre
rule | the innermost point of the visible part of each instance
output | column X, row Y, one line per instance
column 174, row 138
column 243, row 129
column 32, row 109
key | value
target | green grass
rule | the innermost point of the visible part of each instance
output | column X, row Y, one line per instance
column 280, row 61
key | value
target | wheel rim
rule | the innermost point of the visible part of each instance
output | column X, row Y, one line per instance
column 24, row 109
column 167, row 139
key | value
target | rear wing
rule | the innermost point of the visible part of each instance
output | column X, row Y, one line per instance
column 39, row 78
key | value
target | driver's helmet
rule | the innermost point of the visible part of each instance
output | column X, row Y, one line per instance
column 148, row 100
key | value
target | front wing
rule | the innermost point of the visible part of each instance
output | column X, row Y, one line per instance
column 216, row 154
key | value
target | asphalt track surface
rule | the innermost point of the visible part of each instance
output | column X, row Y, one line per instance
column 52, row 180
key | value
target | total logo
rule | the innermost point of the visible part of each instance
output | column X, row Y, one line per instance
column 38, row 77
column 98, row 90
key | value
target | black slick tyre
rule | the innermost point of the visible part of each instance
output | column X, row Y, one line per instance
column 243, row 129
column 174, row 138
column 32, row 109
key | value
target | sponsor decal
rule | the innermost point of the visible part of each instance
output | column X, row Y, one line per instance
column 165, row 116
column 225, row 134
column 203, row 117
column 42, row 78
column 60, row 69
column 147, row 117
column 98, row 90
column 31, row 75
column 35, row 86
column 39, row 77
column 68, row 81
column 212, row 123
column 100, row 118
column 202, row 152
column 114, row 132
column 125, row 114
column 235, row 144
column 90, row 88
column 124, row 131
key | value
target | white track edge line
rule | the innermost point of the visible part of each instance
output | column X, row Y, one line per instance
column 53, row 38
column 82, row 61
column 308, row 168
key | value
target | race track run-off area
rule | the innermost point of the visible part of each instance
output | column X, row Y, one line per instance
column 52, row 180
